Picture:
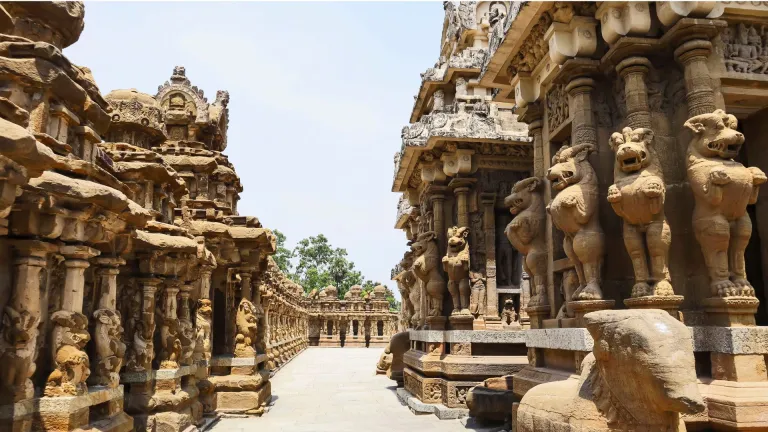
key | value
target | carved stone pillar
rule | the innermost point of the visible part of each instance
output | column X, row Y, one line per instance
column 692, row 55
column 488, row 201
column 525, row 296
column 461, row 188
column 76, row 261
column 205, row 281
column 437, row 197
column 170, row 344
column 70, row 330
column 143, row 344
column 108, row 329
column 245, row 284
column 186, row 329
column 580, row 106
column 533, row 116
column 21, row 307
column 634, row 70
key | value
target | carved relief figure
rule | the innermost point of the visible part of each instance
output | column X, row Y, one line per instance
column 722, row 189
column 247, row 324
column 17, row 353
column 477, row 299
column 526, row 232
column 637, row 196
column 574, row 211
column 509, row 316
column 110, row 349
column 142, row 349
column 203, row 318
column 631, row 347
column 170, row 349
column 426, row 269
column 407, row 284
column 456, row 266
column 71, row 364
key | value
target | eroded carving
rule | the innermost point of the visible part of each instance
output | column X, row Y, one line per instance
column 637, row 196
column 456, row 266
column 722, row 189
column 574, row 211
column 426, row 268
column 71, row 364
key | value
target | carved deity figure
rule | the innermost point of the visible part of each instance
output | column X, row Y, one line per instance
column 18, row 343
column 574, row 212
column 742, row 52
column 170, row 348
column 71, row 364
column 426, row 269
column 526, row 232
column 477, row 298
column 639, row 377
column 637, row 196
column 204, row 315
column 722, row 189
column 247, row 324
column 456, row 266
column 109, row 347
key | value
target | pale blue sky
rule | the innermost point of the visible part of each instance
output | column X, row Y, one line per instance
column 318, row 95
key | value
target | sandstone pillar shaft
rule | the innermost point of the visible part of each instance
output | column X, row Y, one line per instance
column 148, row 290
column 205, row 281
column 534, row 131
column 692, row 55
column 634, row 71
column 76, row 261
column 22, row 306
column 488, row 201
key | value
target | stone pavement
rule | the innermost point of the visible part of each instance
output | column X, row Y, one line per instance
column 336, row 390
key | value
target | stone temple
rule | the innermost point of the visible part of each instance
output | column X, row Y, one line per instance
column 580, row 193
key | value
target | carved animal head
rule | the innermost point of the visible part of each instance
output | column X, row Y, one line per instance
column 715, row 135
column 422, row 243
column 632, row 149
column 75, row 327
column 522, row 194
column 568, row 165
column 457, row 238
column 18, row 327
column 407, row 260
column 648, row 347
column 204, row 308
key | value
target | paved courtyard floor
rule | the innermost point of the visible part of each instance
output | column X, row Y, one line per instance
column 332, row 390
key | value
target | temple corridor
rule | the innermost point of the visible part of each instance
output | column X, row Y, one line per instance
column 333, row 390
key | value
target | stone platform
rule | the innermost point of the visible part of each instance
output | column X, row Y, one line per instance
column 442, row 366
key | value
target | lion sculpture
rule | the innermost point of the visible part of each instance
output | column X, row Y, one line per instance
column 109, row 347
column 574, row 212
column 526, row 232
column 203, row 317
column 247, row 324
column 639, row 377
column 71, row 364
column 18, row 342
column 456, row 266
column 722, row 189
column 406, row 281
column 426, row 268
column 637, row 196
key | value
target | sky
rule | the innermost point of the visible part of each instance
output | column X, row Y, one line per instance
column 318, row 95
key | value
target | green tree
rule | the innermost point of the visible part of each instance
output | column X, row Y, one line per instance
column 283, row 255
column 320, row 264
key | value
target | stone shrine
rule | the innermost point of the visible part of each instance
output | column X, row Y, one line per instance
column 634, row 183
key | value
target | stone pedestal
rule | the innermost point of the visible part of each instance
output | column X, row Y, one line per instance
column 670, row 304
column 436, row 323
column 583, row 307
column 731, row 311
column 461, row 322
column 537, row 315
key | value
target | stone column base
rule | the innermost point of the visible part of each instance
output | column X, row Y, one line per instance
column 461, row 322
column 436, row 323
column 731, row 311
column 583, row 307
column 537, row 315
column 670, row 304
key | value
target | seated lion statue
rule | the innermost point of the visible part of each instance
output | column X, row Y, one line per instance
column 639, row 377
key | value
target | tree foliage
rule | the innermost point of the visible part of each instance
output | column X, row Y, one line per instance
column 320, row 264
column 283, row 255
column 315, row 264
